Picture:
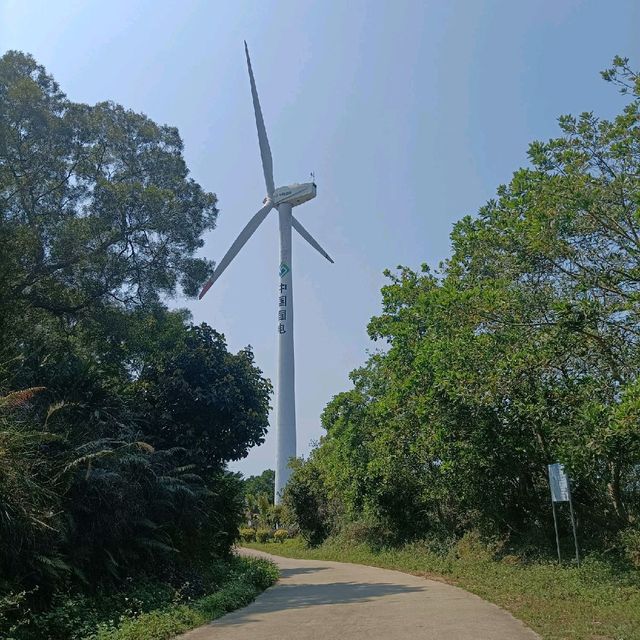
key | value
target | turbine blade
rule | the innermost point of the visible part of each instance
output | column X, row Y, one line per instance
column 265, row 150
column 239, row 242
column 309, row 238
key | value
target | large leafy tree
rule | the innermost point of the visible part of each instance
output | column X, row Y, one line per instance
column 522, row 350
column 117, row 416
column 203, row 399
column 95, row 201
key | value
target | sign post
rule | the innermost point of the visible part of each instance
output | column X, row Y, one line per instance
column 561, row 492
column 555, row 526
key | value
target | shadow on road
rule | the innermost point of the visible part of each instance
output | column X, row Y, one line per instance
column 287, row 573
column 299, row 596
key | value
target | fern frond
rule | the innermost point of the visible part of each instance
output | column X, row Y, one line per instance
column 16, row 399
column 55, row 407
column 90, row 457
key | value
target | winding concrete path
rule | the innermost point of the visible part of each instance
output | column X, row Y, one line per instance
column 318, row 600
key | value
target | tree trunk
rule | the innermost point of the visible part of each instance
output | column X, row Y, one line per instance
column 615, row 493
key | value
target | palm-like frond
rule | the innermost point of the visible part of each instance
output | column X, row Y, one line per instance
column 16, row 399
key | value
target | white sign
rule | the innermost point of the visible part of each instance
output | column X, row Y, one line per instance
column 559, row 483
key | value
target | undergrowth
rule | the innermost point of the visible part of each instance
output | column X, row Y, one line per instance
column 147, row 610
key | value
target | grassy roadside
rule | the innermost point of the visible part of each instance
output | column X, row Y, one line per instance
column 251, row 577
column 598, row 601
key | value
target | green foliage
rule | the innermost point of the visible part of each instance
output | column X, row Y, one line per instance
column 630, row 540
column 9, row 602
column 263, row 484
column 305, row 497
column 520, row 351
column 253, row 576
column 247, row 534
column 261, row 512
column 97, row 204
column 188, row 390
column 280, row 535
column 76, row 616
column 117, row 416
column 29, row 502
column 149, row 609
column 263, row 535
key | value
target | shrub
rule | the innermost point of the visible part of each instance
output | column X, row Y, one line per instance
column 630, row 539
column 307, row 503
column 247, row 534
column 366, row 531
column 263, row 535
column 251, row 575
column 472, row 547
column 280, row 535
column 10, row 601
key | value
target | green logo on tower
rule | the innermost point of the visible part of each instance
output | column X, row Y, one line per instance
column 284, row 269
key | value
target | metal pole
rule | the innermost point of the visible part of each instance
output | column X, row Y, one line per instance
column 555, row 526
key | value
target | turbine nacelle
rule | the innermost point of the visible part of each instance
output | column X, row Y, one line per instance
column 294, row 194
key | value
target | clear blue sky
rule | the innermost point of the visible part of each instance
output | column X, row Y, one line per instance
column 410, row 114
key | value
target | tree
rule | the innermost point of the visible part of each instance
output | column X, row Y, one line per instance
column 305, row 498
column 203, row 399
column 264, row 483
column 117, row 416
column 96, row 202
column 520, row 351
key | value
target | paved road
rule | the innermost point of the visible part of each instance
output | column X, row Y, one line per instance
column 317, row 600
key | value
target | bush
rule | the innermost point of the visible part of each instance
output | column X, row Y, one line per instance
column 251, row 575
column 280, row 535
column 473, row 548
column 630, row 539
column 307, row 503
column 263, row 535
column 73, row 616
column 247, row 534
column 369, row 532
column 9, row 602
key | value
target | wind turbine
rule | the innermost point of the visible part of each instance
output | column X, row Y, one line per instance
column 283, row 199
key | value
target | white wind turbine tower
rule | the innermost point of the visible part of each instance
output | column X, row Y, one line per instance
column 283, row 199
